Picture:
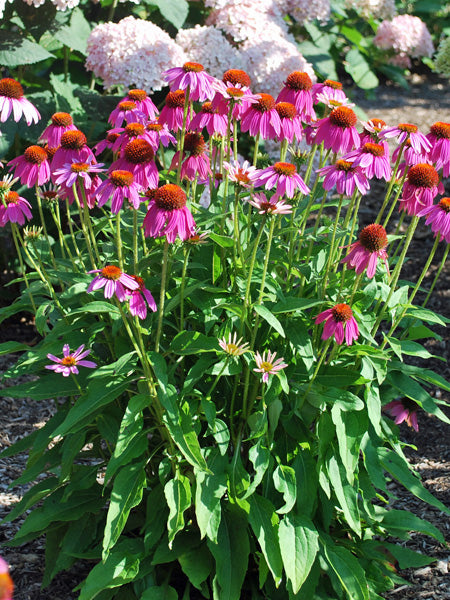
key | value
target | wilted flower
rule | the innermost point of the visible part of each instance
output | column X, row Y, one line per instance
column 68, row 364
column 114, row 280
column 340, row 322
column 233, row 346
column 364, row 253
column 403, row 410
column 267, row 365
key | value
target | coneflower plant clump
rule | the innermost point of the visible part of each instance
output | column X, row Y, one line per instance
column 230, row 343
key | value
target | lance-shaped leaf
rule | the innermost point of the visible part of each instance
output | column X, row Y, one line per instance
column 299, row 545
column 178, row 495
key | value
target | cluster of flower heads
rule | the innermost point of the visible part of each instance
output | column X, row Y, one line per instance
column 407, row 36
column 380, row 9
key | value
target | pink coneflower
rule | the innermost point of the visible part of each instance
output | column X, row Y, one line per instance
column 329, row 89
column 345, row 175
column 126, row 111
column 237, row 77
column 291, row 123
column 195, row 160
column 73, row 145
column 6, row 583
column 410, row 157
column 267, row 365
column 405, row 131
column 159, row 134
column 240, row 175
column 32, row 167
column 233, row 346
column 371, row 130
column 168, row 214
column 373, row 159
column 262, row 118
column 13, row 100
column 114, row 280
column 14, row 209
column 140, row 298
column 338, row 131
column 143, row 102
column 233, row 94
column 403, row 410
column 172, row 112
column 194, row 76
column 61, row 122
column 367, row 250
column 108, row 142
column 283, row 175
column 77, row 172
column 438, row 216
column 119, row 185
column 274, row 206
column 68, row 364
column 340, row 322
column 421, row 186
column 214, row 119
column 131, row 131
column 298, row 91
column 439, row 137
column 137, row 157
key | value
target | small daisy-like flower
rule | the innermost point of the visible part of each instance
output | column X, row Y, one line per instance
column 262, row 118
column 115, row 282
column 371, row 130
column 77, row 171
column 274, row 206
column 32, row 167
column 439, row 137
column 68, row 364
column 329, row 89
column 194, row 76
column 438, row 216
column 267, row 365
column 119, row 185
column 13, row 101
column 143, row 102
column 405, row 131
column 421, row 186
column 138, row 158
column 291, row 123
column 6, row 184
column 140, row 298
column 127, row 111
column 14, row 209
column 338, row 131
column 73, row 145
column 32, row 233
column 6, row 583
column 195, row 160
column 403, row 410
column 298, row 91
column 345, row 175
column 240, row 175
column 367, row 250
column 197, row 239
column 172, row 112
column 233, row 346
column 340, row 322
column 168, row 214
column 61, row 122
column 284, row 176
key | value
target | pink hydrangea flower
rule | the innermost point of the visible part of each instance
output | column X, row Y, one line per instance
column 140, row 298
column 439, row 137
column 15, row 209
column 298, row 91
column 364, row 253
column 421, row 186
column 13, row 101
column 191, row 75
column 118, row 186
column 406, row 35
column 438, row 216
column 115, row 282
column 262, row 118
column 345, row 175
column 338, row 131
column 284, row 176
column 6, row 583
column 68, row 364
column 32, row 167
column 274, row 206
column 403, row 410
column 168, row 214
column 267, row 365
column 61, row 122
column 340, row 322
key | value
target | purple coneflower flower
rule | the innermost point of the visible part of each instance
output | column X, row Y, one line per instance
column 131, row 131
column 13, row 100
column 410, row 156
column 73, row 145
column 240, row 175
column 114, row 280
column 118, row 186
column 68, row 364
column 214, row 119
column 143, row 102
column 403, row 410
column 284, row 176
column 77, row 172
column 331, row 90
column 262, row 118
column 140, row 298
column 233, row 94
column 127, row 111
column 439, row 137
column 6, row 583
column 168, row 214
column 367, row 250
column 438, row 216
column 274, row 206
column 298, row 91
column 267, row 365
column 195, row 160
column 159, row 134
column 137, row 157
column 373, row 159
column 32, row 167
column 61, row 122
column 15, row 209
column 233, row 346
column 371, row 130
column 108, row 142
column 194, row 76
column 405, row 131
column 291, row 123
column 338, row 131
column 340, row 322
column 345, row 175
column 421, row 186
column 172, row 112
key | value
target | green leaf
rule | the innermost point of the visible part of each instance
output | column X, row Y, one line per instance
column 299, row 545
column 260, row 457
column 197, row 563
column 408, row 558
column 178, row 495
column 320, row 58
column 401, row 521
column 424, row 314
column 17, row 50
column 159, row 592
column 359, row 69
column 222, row 240
column 48, row 386
column 32, row 496
column 175, row 11
column 265, row 313
column 209, row 490
column 126, row 494
column 346, row 494
column 373, row 401
column 348, row 570
column 66, row 101
column 304, row 466
column 74, row 34
column 264, row 523
column 293, row 304
column 193, row 342
column 285, row 482
column 414, row 349
column 10, row 347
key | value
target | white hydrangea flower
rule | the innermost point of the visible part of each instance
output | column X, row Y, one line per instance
column 380, row 9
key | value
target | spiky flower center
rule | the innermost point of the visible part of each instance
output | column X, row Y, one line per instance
column 35, row 155
column 373, row 237
column 137, row 95
column 299, row 81
column 10, row 88
column 378, row 124
column 170, row 197
column 444, row 204
column 111, row 272
column 441, row 130
column 127, row 105
column 235, row 92
column 286, row 110
column 344, row 165
column 112, row 137
column 138, row 152
column 343, row 117
column 62, row 119
column 267, row 206
column 371, row 148
column 12, row 197
column 423, row 175
column 195, row 67
column 175, row 99
column 266, row 366
column 207, row 108
column 284, row 168
column 73, row 140
column 236, row 76
column 50, row 151
column 121, row 178
column 154, row 127
column 150, row 193
column 333, row 84
column 68, row 361
column 341, row 313
column 49, row 195
column 194, row 143
column 408, row 127
column 265, row 103
column 134, row 129
column 139, row 281
column 80, row 167
column 241, row 176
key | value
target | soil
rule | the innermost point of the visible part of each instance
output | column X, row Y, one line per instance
column 426, row 101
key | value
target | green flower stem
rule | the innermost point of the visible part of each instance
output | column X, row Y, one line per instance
column 250, row 273
column 162, row 295
column 87, row 220
column 119, row 241
column 180, row 147
column 255, row 149
column 44, row 227
column 436, row 277
column 62, row 239
column 318, row 365
column 83, row 227
column 352, row 209
column 72, row 234
column 235, row 139
column 355, row 288
column 283, row 150
column 112, row 10
column 216, row 380
column 22, row 265
column 237, row 247
column 266, row 258
column 391, row 184
column 183, row 285
column 316, row 225
column 135, row 243
column 396, row 197
column 229, row 130
column 332, row 246
column 77, row 384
